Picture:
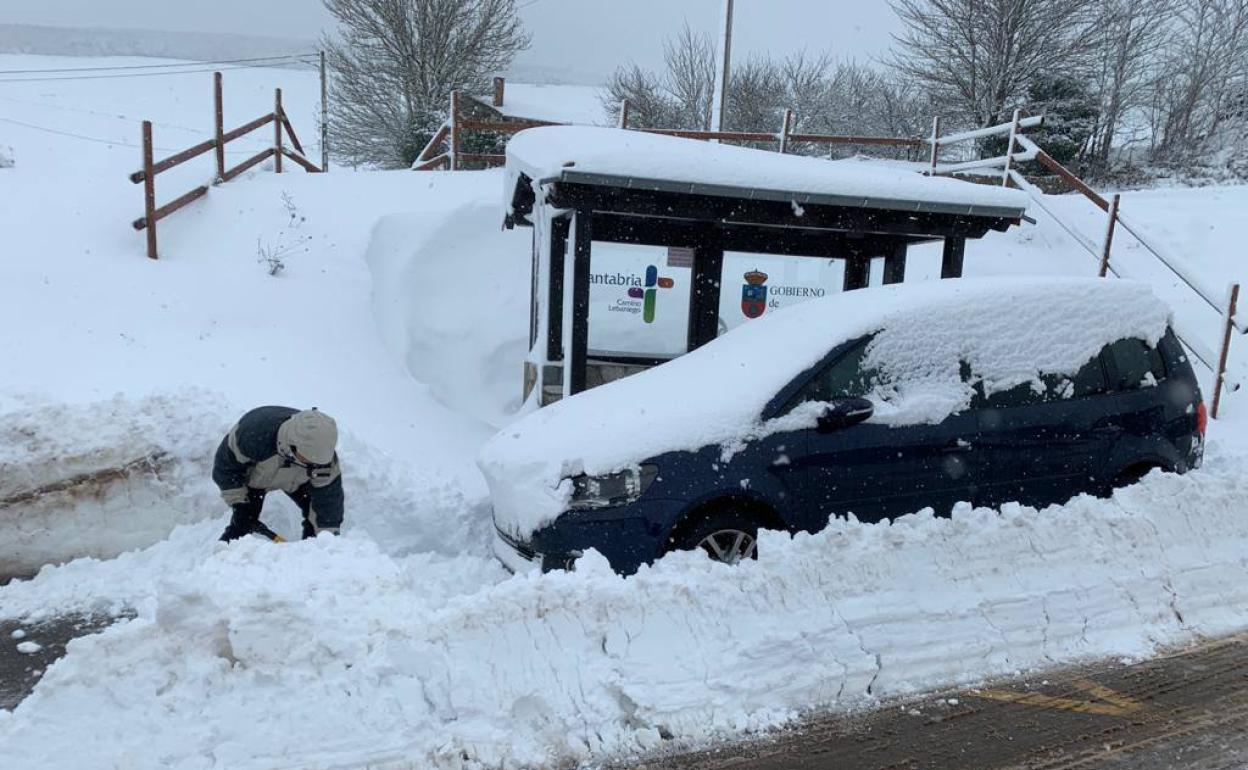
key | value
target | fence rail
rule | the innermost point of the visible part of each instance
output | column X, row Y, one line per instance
column 152, row 168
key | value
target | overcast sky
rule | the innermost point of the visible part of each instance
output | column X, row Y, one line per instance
column 585, row 36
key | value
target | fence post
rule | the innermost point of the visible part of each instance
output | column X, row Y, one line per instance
column 624, row 110
column 149, row 190
column 455, row 130
column 219, row 127
column 935, row 145
column 1009, row 149
column 1228, row 327
column 277, row 130
column 784, row 131
column 1109, row 235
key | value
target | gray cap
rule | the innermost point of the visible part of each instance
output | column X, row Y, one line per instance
column 312, row 434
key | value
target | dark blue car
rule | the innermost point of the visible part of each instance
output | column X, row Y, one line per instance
column 1128, row 410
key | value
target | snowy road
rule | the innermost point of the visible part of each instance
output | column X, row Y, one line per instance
column 1188, row 709
column 44, row 643
column 1185, row 710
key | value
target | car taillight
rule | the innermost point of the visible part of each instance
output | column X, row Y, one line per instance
column 1202, row 418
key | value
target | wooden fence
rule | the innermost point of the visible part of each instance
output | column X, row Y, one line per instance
column 1021, row 149
column 444, row 150
column 151, row 168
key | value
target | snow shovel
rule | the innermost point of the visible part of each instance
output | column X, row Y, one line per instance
column 265, row 532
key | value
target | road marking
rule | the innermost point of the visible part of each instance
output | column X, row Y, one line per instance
column 1108, row 703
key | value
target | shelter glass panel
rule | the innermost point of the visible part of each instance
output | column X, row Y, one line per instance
column 754, row 284
column 638, row 300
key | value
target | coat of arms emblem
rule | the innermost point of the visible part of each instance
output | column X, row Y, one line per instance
column 754, row 294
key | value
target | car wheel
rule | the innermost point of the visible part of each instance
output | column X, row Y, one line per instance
column 728, row 537
column 1131, row 476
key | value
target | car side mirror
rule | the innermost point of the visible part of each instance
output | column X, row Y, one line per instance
column 844, row 412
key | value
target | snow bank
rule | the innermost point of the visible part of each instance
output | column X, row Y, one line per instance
column 258, row 656
column 928, row 329
column 546, row 153
column 451, row 298
column 100, row 479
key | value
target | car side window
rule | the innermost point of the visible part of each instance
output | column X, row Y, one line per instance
column 1136, row 365
column 843, row 378
column 1088, row 380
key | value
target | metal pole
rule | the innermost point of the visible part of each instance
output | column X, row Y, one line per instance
column 720, row 101
column 324, row 118
column 1109, row 236
column 219, row 127
column 277, row 130
column 1009, row 149
column 455, row 130
column 1228, row 327
column 784, row 131
column 935, row 145
column 149, row 190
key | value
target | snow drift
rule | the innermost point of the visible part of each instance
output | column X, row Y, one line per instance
column 100, row 479
column 438, row 661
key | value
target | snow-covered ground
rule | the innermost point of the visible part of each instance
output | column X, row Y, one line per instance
column 403, row 311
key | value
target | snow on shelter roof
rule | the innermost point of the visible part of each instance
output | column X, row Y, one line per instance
column 643, row 161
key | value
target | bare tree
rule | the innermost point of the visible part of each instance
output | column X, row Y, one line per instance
column 1130, row 35
column 690, row 60
column 1205, row 67
column 756, row 96
column 679, row 98
column 977, row 57
column 649, row 106
column 395, row 63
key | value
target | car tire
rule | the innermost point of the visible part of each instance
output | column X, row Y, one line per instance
column 725, row 536
column 1131, row 476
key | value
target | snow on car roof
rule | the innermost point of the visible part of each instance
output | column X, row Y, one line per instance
column 641, row 160
column 1008, row 330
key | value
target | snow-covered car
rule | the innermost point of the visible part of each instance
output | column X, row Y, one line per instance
column 874, row 403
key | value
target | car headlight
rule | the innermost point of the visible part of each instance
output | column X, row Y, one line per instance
column 612, row 489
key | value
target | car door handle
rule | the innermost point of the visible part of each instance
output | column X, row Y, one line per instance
column 1107, row 430
column 957, row 445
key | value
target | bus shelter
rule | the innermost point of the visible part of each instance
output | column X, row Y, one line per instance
column 583, row 189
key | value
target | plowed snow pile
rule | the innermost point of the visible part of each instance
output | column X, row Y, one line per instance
column 332, row 652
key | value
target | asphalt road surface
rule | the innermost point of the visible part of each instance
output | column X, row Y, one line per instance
column 1184, row 711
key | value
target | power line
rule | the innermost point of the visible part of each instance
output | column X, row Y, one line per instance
column 138, row 74
column 154, row 66
column 98, row 140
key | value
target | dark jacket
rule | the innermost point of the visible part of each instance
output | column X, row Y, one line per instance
column 251, row 458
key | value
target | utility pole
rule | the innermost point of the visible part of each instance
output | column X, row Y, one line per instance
column 324, row 119
column 720, row 100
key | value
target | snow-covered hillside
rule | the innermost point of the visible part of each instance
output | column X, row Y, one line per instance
column 402, row 309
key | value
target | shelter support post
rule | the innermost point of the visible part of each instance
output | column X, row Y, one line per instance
column 559, row 229
column 952, row 257
column 708, row 271
column 857, row 272
column 895, row 264
column 576, row 291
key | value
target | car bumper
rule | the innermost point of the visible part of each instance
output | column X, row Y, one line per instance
column 626, row 537
column 515, row 558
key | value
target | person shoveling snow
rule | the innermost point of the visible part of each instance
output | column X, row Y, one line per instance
column 277, row 447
